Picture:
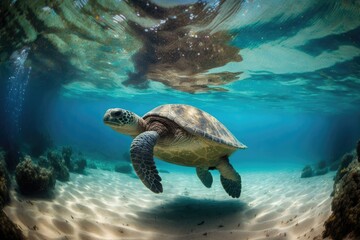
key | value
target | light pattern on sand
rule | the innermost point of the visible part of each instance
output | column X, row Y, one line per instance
column 108, row 205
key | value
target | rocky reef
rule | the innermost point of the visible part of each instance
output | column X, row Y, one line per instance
column 57, row 163
column 4, row 181
column 342, row 168
column 320, row 169
column 307, row 172
column 33, row 179
column 80, row 165
column 64, row 162
column 66, row 154
column 8, row 230
column 74, row 163
column 344, row 222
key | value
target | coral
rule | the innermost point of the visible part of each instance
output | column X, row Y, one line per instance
column 345, row 219
column 307, row 172
column 123, row 168
column 66, row 154
column 79, row 165
column 320, row 169
column 33, row 179
column 43, row 162
column 58, row 165
column 345, row 161
column 8, row 230
column 4, row 182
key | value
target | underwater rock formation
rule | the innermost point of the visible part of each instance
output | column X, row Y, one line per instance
column 4, row 181
column 320, row 169
column 307, row 172
column 8, row 230
column 80, row 165
column 342, row 169
column 344, row 221
column 33, row 179
column 58, row 165
column 63, row 163
column 124, row 168
column 66, row 154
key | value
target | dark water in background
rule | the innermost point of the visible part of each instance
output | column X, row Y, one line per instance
column 283, row 76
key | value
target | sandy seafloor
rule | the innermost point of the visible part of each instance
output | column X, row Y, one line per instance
column 110, row 205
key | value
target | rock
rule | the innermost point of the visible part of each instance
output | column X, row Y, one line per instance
column 58, row 165
column 33, row 179
column 123, row 168
column 345, row 161
column 8, row 230
column 344, row 221
column 319, row 169
column 66, row 154
column 4, row 182
column 80, row 165
column 307, row 172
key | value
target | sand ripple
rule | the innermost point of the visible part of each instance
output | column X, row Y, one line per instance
column 108, row 205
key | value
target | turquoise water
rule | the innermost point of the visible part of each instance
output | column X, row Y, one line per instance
column 282, row 76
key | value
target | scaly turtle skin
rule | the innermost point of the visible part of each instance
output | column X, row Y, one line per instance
column 179, row 134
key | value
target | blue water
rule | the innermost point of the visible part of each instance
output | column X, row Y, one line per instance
column 294, row 99
column 282, row 76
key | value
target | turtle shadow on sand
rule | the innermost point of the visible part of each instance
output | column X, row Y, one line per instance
column 189, row 215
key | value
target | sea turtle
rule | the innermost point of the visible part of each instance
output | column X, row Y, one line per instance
column 179, row 134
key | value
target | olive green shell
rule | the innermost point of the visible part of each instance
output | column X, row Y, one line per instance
column 196, row 122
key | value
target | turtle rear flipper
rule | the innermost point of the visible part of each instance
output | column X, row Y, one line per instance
column 205, row 176
column 142, row 157
column 230, row 179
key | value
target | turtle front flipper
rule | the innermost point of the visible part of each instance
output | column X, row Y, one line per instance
column 142, row 152
column 230, row 179
column 205, row 176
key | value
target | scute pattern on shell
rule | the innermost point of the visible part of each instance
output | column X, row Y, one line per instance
column 196, row 122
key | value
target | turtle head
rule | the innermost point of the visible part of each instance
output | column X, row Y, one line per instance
column 124, row 121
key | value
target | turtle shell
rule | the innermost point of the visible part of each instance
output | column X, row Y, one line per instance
column 197, row 122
